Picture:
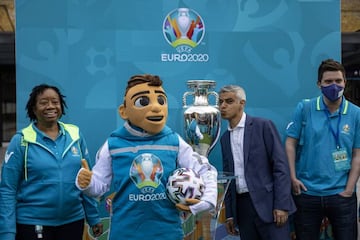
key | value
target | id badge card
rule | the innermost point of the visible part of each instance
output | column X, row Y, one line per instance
column 341, row 160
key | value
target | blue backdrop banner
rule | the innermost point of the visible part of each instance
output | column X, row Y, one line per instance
column 90, row 48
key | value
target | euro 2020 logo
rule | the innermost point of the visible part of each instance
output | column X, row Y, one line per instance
column 184, row 29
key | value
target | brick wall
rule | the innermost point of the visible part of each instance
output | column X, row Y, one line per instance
column 350, row 15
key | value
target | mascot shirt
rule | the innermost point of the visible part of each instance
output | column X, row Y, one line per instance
column 141, row 166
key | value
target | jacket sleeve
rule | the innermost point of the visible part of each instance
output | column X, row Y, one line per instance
column 281, row 172
column 11, row 177
column 91, row 210
column 90, row 204
column 228, row 199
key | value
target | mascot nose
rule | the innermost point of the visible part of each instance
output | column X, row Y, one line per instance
column 156, row 107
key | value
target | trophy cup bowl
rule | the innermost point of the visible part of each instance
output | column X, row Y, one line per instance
column 202, row 120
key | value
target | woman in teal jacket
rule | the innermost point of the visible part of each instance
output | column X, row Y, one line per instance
column 38, row 197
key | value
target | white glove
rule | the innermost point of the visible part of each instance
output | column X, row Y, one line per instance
column 200, row 207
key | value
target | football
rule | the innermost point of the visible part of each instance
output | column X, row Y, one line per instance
column 184, row 183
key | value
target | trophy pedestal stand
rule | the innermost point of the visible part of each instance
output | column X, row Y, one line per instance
column 206, row 225
column 201, row 131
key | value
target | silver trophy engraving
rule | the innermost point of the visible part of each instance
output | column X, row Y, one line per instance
column 201, row 120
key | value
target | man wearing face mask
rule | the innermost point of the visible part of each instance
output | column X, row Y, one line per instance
column 323, row 149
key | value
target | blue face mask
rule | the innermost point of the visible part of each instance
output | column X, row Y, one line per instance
column 333, row 92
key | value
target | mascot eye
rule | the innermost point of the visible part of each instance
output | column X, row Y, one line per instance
column 142, row 101
column 161, row 100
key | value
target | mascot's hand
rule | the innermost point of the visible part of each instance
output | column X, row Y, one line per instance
column 194, row 206
column 186, row 207
column 84, row 176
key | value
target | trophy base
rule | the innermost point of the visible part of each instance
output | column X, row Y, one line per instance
column 210, row 225
column 201, row 148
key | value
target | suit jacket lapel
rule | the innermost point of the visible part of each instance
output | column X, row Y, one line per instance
column 247, row 138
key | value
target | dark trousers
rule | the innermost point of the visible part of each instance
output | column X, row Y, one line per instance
column 251, row 227
column 70, row 231
column 341, row 212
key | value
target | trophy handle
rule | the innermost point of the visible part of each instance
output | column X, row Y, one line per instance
column 216, row 97
column 184, row 97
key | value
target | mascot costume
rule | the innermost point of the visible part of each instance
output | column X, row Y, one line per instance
column 136, row 161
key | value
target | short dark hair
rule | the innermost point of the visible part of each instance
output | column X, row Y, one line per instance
column 330, row 65
column 152, row 80
column 36, row 91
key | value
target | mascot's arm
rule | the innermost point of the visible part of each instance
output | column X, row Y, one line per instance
column 190, row 159
column 96, row 182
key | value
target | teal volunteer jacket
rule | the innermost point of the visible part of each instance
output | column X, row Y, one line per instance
column 37, row 180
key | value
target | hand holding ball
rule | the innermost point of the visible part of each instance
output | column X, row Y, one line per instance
column 183, row 184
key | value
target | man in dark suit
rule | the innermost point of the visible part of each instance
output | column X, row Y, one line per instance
column 259, row 201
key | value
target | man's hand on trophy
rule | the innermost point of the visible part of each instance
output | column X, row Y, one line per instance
column 84, row 176
column 194, row 206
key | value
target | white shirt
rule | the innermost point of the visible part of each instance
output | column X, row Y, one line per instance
column 237, row 149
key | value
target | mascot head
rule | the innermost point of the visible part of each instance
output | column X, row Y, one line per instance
column 145, row 103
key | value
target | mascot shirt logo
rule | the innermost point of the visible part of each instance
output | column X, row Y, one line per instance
column 146, row 172
column 183, row 29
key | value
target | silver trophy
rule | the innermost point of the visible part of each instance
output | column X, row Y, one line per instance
column 202, row 130
column 201, row 120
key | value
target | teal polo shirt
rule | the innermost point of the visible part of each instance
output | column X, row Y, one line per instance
column 317, row 130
